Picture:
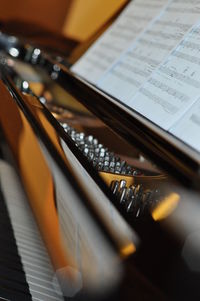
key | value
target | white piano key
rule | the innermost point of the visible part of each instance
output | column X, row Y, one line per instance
column 36, row 263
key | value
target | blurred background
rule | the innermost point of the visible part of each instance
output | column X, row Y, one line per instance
column 77, row 19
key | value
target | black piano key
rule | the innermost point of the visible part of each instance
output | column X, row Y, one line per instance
column 8, row 277
column 11, row 274
column 8, row 249
column 12, row 295
column 10, row 262
column 13, row 284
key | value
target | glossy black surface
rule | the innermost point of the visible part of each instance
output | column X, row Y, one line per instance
column 159, row 259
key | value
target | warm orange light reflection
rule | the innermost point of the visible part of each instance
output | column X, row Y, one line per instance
column 128, row 250
column 35, row 174
column 166, row 207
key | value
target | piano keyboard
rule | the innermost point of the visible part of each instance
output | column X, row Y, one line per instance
column 26, row 272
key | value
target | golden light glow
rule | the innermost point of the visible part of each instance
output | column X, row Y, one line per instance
column 82, row 14
column 166, row 207
column 128, row 250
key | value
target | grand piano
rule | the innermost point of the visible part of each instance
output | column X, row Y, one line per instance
column 98, row 200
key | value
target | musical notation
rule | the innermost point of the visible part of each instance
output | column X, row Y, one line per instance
column 154, row 71
column 187, row 129
column 117, row 38
column 150, row 50
column 176, row 82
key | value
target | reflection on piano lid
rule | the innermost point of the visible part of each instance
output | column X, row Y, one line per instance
column 87, row 263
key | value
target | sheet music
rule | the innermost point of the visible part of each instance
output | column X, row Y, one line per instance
column 158, row 73
column 149, row 51
column 132, row 21
column 188, row 128
column 174, row 86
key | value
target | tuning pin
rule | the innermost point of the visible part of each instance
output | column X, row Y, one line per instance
column 112, row 185
column 86, row 151
column 130, row 206
column 122, row 195
column 92, row 149
column 81, row 136
column 116, row 187
column 89, row 139
column 95, row 141
column 102, row 154
column 122, row 184
column 136, row 172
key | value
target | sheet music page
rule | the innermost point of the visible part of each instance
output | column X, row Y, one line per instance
column 131, row 22
column 188, row 128
column 125, row 78
column 174, row 86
